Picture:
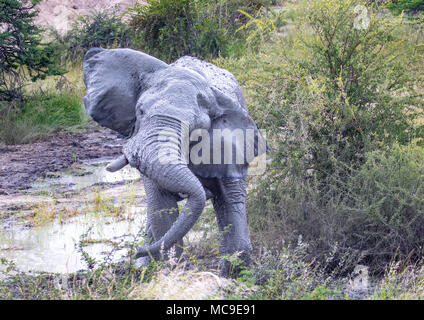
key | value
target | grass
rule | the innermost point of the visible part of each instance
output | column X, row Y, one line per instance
column 399, row 283
column 52, row 105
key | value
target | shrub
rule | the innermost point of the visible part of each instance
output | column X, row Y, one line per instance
column 330, row 92
column 409, row 6
column 359, row 75
column 388, row 193
column 229, row 12
column 329, row 95
column 170, row 29
column 377, row 217
column 166, row 28
column 98, row 29
column 263, row 29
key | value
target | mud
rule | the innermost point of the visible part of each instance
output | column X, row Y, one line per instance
column 21, row 165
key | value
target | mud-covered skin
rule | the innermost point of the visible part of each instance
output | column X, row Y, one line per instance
column 146, row 100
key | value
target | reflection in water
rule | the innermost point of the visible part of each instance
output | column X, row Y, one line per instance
column 53, row 247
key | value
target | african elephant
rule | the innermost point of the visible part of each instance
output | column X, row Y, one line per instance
column 159, row 107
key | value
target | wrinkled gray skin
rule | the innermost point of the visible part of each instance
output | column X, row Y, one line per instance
column 139, row 96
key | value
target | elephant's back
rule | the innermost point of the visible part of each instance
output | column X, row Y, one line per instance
column 217, row 77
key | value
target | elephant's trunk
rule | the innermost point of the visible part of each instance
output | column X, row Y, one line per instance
column 189, row 214
column 146, row 151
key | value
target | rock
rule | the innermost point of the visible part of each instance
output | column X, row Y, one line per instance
column 60, row 13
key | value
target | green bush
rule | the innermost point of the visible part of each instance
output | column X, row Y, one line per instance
column 388, row 193
column 169, row 29
column 97, row 29
column 357, row 73
column 329, row 95
column 377, row 217
column 228, row 12
column 42, row 115
column 409, row 6
column 330, row 91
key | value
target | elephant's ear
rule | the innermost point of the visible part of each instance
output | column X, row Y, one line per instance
column 114, row 80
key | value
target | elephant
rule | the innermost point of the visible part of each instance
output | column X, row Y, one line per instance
column 158, row 107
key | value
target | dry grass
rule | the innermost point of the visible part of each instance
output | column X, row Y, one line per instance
column 182, row 284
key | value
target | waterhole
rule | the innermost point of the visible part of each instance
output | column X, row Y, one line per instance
column 55, row 245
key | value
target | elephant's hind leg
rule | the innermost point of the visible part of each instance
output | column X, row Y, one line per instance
column 162, row 211
column 230, row 206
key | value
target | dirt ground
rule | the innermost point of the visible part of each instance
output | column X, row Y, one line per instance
column 21, row 165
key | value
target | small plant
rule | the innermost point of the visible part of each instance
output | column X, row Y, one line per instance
column 321, row 293
column 42, row 214
column 90, row 261
column 262, row 31
column 235, row 263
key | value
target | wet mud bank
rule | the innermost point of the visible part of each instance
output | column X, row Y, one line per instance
column 21, row 165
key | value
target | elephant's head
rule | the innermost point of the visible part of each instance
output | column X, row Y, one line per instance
column 156, row 106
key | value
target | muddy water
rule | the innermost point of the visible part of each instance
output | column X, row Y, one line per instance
column 53, row 246
column 91, row 173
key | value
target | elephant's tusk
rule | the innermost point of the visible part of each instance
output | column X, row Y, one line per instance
column 117, row 164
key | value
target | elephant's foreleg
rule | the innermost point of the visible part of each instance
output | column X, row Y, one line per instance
column 230, row 206
column 162, row 211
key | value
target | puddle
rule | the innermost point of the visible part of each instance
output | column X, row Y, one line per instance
column 89, row 174
column 53, row 247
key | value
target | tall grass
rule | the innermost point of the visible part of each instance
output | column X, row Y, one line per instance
column 51, row 105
